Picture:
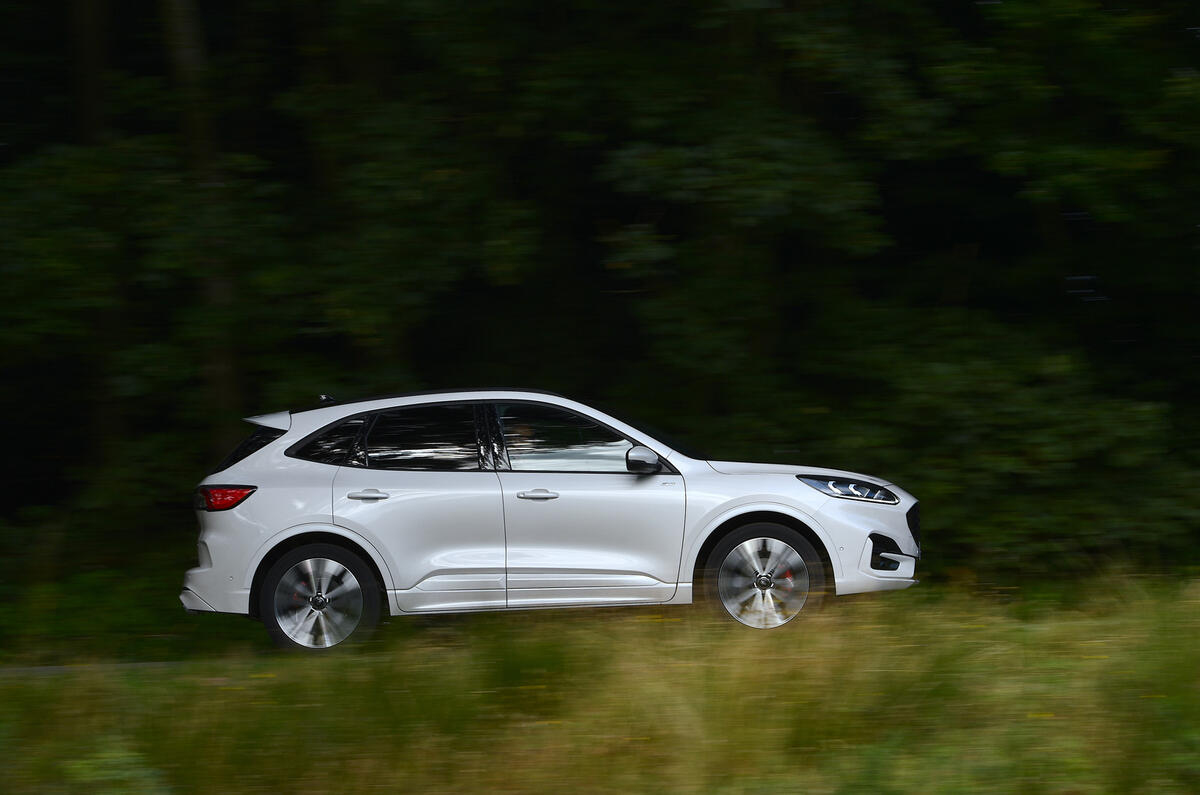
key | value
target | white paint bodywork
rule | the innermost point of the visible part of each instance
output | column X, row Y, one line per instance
column 608, row 538
column 459, row 541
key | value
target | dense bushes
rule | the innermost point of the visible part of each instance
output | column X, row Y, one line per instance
column 811, row 233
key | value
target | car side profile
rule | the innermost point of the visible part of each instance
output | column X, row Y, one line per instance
column 324, row 520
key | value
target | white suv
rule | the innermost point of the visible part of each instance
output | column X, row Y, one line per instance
column 502, row 499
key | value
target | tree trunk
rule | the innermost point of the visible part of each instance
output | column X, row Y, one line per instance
column 89, row 23
column 189, row 65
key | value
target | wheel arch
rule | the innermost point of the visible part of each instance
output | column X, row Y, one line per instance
column 733, row 523
column 304, row 537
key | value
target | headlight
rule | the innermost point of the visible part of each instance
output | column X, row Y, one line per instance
column 850, row 489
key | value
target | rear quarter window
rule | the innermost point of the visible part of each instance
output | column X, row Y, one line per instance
column 260, row 438
column 339, row 444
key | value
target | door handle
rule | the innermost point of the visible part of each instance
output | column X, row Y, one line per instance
column 537, row 494
column 368, row 494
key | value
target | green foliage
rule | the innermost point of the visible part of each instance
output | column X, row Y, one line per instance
column 943, row 691
column 113, row 768
column 826, row 233
column 1016, row 455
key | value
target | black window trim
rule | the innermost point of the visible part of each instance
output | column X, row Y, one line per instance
column 364, row 432
column 491, row 433
column 494, row 423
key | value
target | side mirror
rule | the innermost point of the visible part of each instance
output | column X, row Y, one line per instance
column 642, row 460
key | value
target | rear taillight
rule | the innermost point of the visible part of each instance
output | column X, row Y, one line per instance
column 221, row 498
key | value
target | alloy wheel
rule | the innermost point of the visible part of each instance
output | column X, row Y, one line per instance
column 763, row 582
column 318, row 603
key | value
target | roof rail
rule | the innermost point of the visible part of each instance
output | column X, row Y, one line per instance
column 326, row 401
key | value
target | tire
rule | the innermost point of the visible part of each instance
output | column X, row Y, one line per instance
column 343, row 607
column 763, row 575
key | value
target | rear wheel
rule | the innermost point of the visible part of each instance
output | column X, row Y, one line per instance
column 763, row 575
column 319, row 596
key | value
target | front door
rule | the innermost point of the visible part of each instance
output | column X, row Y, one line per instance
column 582, row 529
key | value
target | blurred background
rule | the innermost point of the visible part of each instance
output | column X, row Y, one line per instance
column 951, row 244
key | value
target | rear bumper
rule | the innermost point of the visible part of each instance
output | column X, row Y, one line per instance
column 209, row 589
column 193, row 603
column 219, row 584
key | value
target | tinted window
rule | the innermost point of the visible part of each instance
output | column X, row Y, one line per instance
column 260, row 438
column 550, row 439
column 337, row 445
column 424, row 437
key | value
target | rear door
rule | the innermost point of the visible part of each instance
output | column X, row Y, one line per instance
column 419, row 483
column 582, row 529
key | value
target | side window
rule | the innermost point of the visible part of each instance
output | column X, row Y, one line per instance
column 439, row 437
column 550, row 439
column 260, row 438
column 339, row 445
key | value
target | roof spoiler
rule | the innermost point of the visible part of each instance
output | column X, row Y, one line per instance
column 279, row 419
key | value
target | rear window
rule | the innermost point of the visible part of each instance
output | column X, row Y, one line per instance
column 437, row 437
column 260, row 438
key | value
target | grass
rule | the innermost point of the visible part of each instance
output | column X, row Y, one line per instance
column 926, row 690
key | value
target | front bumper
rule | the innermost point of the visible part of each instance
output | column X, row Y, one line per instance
column 878, row 545
column 881, row 567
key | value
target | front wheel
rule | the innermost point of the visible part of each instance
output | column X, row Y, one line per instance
column 763, row 575
column 319, row 596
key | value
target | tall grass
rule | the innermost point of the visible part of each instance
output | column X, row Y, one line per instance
column 929, row 691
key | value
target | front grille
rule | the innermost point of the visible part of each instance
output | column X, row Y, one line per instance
column 914, row 523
